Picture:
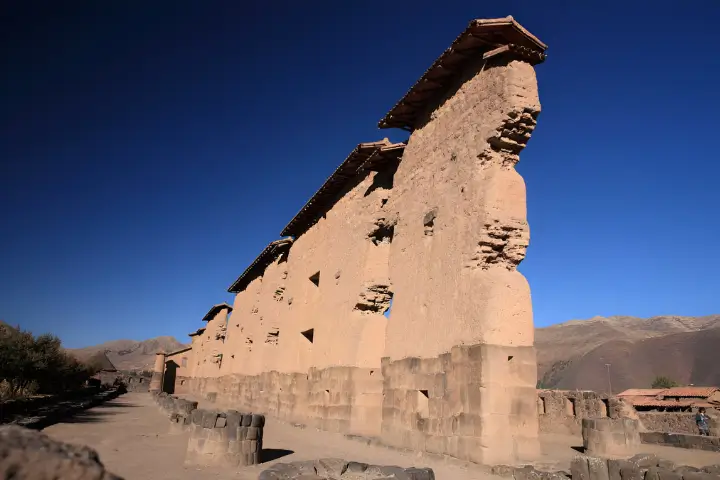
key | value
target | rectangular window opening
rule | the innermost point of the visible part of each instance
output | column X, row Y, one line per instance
column 423, row 403
column 570, row 406
column 315, row 279
column 605, row 410
column 309, row 335
column 183, row 362
column 541, row 406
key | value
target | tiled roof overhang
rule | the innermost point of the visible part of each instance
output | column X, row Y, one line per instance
column 199, row 331
column 365, row 157
column 182, row 350
column 689, row 391
column 214, row 311
column 266, row 257
column 483, row 38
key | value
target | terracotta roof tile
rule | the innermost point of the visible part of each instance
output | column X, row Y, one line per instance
column 651, row 402
column 642, row 392
column 258, row 266
column 364, row 157
column 214, row 310
column 689, row 391
column 482, row 39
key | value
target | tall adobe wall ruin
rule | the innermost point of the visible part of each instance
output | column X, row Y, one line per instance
column 437, row 226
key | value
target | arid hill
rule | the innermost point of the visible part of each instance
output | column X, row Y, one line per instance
column 131, row 354
column 574, row 354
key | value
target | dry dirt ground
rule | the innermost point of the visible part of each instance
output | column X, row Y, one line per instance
column 133, row 440
column 131, row 436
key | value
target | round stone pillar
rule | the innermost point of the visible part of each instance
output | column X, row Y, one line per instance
column 156, row 383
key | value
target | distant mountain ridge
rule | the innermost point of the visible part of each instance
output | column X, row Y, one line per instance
column 574, row 354
column 131, row 354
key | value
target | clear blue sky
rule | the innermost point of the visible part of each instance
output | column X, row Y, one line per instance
column 150, row 150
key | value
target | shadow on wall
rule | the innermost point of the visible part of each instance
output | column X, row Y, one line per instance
column 170, row 374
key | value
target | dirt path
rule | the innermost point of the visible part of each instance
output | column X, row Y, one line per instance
column 131, row 436
column 133, row 440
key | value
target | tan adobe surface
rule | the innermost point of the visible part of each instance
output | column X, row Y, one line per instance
column 397, row 310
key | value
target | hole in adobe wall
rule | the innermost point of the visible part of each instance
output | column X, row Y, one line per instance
column 510, row 357
column 273, row 336
column 605, row 407
column 429, row 222
column 372, row 372
column 382, row 233
column 383, row 179
column 541, row 406
column 315, row 279
column 309, row 335
column 423, row 403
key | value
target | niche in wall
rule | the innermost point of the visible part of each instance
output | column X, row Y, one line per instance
column 541, row 406
column 570, row 406
column 423, row 403
column 315, row 279
column 309, row 335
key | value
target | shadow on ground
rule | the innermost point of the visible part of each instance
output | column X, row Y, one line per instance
column 270, row 454
column 96, row 414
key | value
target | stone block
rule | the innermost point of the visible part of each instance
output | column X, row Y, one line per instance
column 330, row 467
column 209, row 419
column 631, row 472
column 252, row 433
column 698, row 476
column 644, row 460
column 356, row 467
column 712, row 469
column 220, row 422
column 652, row 474
column 664, row 474
column 579, row 468
column 598, row 468
column 614, row 467
column 233, row 419
column 246, row 420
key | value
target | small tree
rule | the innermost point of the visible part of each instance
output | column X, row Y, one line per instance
column 664, row 382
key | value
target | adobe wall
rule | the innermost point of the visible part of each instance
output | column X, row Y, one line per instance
column 333, row 382
column 209, row 346
column 453, row 370
column 458, row 241
column 561, row 411
column 178, row 368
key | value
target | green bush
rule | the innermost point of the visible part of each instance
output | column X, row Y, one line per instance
column 36, row 365
column 663, row 382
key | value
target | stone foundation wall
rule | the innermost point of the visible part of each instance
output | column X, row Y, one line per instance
column 639, row 467
column 51, row 410
column 447, row 405
column 443, row 405
column 336, row 399
column 227, row 438
column 672, row 422
column 669, row 422
column 562, row 411
column 230, row 438
column 610, row 436
column 696, row 442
